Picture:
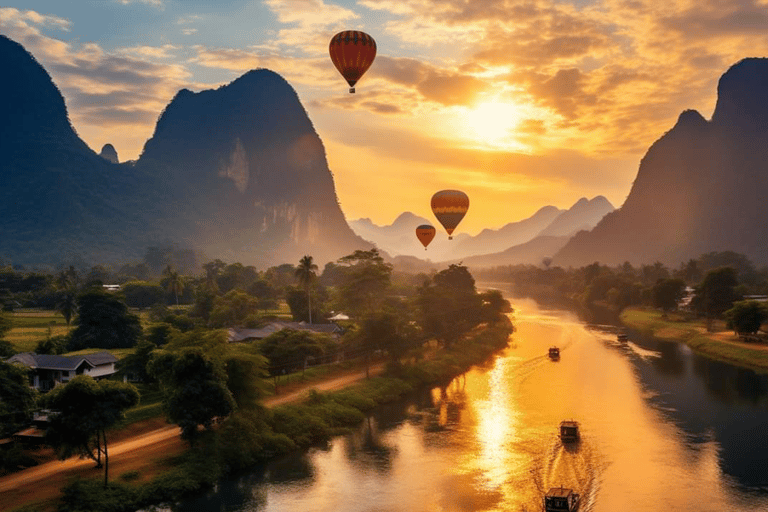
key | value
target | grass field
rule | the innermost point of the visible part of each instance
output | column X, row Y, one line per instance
column 33, row 326
column 719, row 344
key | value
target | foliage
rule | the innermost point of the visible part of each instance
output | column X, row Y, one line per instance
column 195, row 389
column 265, row 293
column 232, row 309
column 86, row 408
column 159, row 334
column 364, row 282
column 17, row 399
column 297, row 302
column 667, row 293
column 173, row 282
column 140, row 294
column 136, row 363
column 288, row 350
column 306, row 272
column 104, row 322
column 449, row 306
column 716, row 294
column 53, row 345
column 245, row 378
column 746, row 316
column 6, row 324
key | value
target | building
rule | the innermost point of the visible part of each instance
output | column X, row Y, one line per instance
column 46, row 371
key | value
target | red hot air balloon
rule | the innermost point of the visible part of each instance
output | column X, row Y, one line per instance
column 425, row 233
column 450, row 206
column 352, row 52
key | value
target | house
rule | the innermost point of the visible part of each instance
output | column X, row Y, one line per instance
column 46, row 371
column 238, row 334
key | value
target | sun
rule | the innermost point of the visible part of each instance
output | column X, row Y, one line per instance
column 493, row 122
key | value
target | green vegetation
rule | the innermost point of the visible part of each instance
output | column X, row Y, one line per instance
column 694, row 334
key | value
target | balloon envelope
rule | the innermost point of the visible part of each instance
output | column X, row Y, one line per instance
column 450, row 206
column 352, row 52
column 425, row 233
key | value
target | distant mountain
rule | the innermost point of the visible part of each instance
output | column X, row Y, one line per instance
column 583, row 215
column 701, row 187
column 490, row 241
column 530, row 253
column 237, row 173
column 399, row 237
column 109, row 153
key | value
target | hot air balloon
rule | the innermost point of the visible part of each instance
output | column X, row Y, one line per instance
column 425, row 233
column 450, row 206
column 352, row 52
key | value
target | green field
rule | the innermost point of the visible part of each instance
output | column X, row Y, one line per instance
column 33, row 326
column 719, row 344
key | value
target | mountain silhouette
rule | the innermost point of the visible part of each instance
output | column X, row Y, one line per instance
column 109, row 153
column 583, row 215
column 236, row 173
column 701, row 187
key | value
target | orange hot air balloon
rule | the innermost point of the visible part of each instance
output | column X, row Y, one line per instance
column 352, row 52
column 450, row 206
column 425, row 233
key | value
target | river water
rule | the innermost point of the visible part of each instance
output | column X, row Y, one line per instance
column 662, row 430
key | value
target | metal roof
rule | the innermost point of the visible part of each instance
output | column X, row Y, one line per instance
column 51, row 362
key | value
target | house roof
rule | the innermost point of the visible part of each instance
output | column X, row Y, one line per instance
column 49, row 362
column 237, row 334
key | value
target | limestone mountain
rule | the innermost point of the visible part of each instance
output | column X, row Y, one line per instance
column 583, row 215
column 58, row 199
column 238, row 173
column 245, row 175
column 701, row 187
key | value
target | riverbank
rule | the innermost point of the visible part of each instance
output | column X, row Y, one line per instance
column 253, row 436
column 721, row 344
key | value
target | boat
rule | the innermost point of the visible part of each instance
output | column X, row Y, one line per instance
column 569, row 431
column 554, row 353
column 560, row 499
column 622, row 336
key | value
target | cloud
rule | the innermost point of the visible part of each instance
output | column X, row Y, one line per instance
column 312, row 23
column 154, row 3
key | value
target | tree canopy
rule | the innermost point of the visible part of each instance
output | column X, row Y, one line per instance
column 746, row 317
column 17, row 399
column 104, row 322
column 667, row 293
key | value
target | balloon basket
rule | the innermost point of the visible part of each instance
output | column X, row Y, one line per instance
column 352, row 90
column 450, row 238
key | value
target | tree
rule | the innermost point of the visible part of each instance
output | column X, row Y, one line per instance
column 140, row 294
column 6, row 323
column 87, row 408
column 384, row 330
column 449, row 306
column 232, row 309
column 265, row 293
column 104, row 322
column 364, row 282
column 245, row 378
column 136, row 363
column 306, row 273
column 716, row 293
column 746, row 317
column 194, row 388
column 67, row 285
column 174, row 283
column 289, row 350
column 17, row 399
column 667, row 293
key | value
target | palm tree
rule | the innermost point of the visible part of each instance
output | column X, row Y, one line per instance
column 174, row 282
column 306, row 274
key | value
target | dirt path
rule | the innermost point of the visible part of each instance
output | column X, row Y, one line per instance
column 45, row 481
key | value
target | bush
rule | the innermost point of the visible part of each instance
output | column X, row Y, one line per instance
column 92, row 496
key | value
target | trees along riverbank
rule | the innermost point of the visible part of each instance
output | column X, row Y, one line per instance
column 722, row 344
column 252, row 433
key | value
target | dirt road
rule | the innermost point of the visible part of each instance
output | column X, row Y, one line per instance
column 45, row 481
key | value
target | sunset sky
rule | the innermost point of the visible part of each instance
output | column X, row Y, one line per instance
column 518, row 103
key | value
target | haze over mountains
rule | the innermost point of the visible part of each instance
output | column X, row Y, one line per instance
column 237, row 173
column 555, row 225
column 701, row 187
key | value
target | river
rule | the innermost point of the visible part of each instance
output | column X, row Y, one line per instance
column 662, row 430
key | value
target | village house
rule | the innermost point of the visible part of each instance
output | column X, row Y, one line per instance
column 238, row 334
column 46, row 371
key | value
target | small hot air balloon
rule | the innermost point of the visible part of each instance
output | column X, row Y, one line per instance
column 450, row 206
column 425, row 233
column 352, row 52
